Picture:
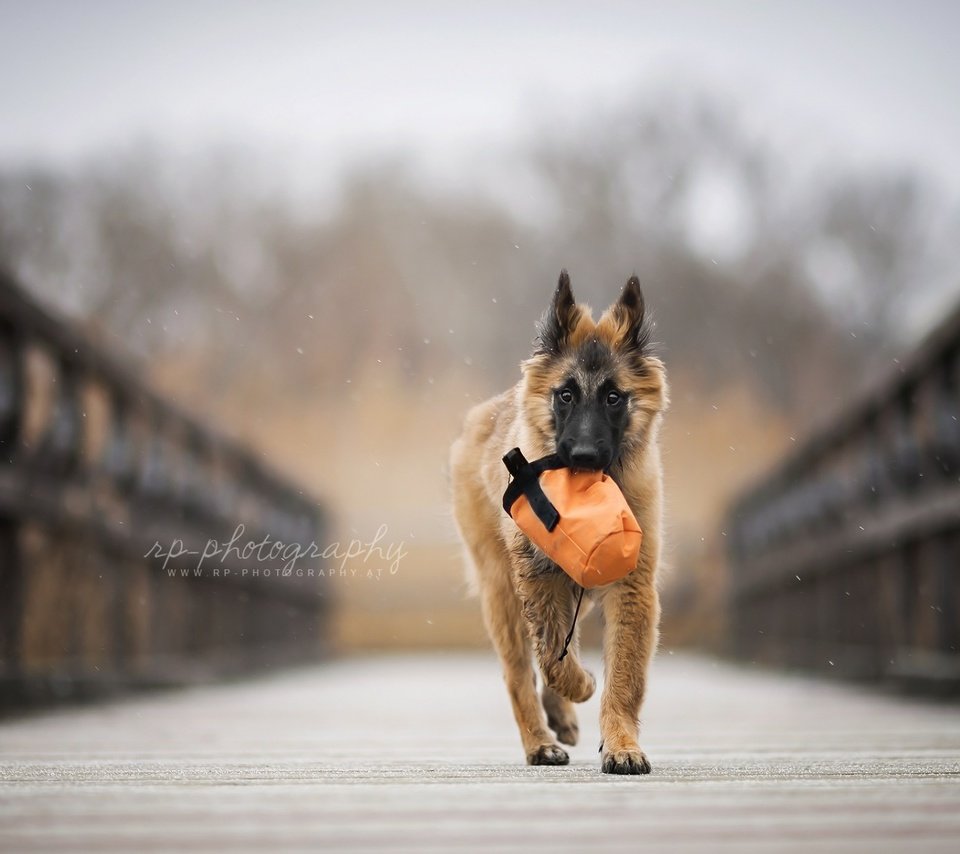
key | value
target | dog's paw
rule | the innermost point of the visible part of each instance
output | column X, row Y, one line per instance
column 567, row 733
column 576, row 685
column 561, row 717
column 586, row 688
column 548, row 754
column 625, row 762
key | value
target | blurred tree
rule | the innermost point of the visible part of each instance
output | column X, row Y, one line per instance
column 749, row 281
column 882, row 228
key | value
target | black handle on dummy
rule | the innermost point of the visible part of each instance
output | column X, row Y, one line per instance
column 526, row 481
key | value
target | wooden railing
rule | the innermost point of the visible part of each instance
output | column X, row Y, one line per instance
column 846, row 558
column 98, row 476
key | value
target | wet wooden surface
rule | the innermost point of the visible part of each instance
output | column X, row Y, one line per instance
column 421, row 753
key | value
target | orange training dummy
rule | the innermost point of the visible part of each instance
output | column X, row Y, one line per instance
column 579, row 519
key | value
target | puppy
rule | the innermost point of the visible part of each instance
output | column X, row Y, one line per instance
column 593, row 393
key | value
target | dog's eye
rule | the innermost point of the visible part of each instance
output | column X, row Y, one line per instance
column 566, row 396
column 614, row 398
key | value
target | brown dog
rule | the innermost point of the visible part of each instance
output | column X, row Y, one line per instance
column 593, row 393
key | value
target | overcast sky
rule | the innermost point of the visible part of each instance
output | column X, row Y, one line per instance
column 876, row 81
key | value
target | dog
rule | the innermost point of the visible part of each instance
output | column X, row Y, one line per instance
column 594, row 393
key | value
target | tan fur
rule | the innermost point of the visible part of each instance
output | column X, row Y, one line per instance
column 528, row 613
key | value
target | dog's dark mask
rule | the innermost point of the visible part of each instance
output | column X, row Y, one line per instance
column 590, row 412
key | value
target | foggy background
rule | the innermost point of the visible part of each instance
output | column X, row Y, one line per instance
column 329, row 231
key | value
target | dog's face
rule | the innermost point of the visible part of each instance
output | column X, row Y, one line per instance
column 592, row 390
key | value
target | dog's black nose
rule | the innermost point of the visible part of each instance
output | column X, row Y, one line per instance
column 585, row 457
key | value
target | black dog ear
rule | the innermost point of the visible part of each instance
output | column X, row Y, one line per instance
column 631, row 314
column 558, row 320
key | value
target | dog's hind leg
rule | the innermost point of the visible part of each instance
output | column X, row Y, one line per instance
column 561, row 716
column 507, row 630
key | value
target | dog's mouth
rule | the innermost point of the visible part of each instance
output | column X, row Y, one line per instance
column 594, row 462
column 602, row 466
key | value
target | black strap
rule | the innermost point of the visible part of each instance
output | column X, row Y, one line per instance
column 526, row 481
column 573, row 625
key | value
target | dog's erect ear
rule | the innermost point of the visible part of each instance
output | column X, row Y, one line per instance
column 630, row 315
column 558, row 320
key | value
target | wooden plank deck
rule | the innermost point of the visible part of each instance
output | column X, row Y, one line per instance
column 420, row 753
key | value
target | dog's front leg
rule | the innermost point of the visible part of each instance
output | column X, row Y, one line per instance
column 547, row 599
column 631, row 610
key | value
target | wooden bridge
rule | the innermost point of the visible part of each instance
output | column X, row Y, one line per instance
column 844, row 559
column 421, row 754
